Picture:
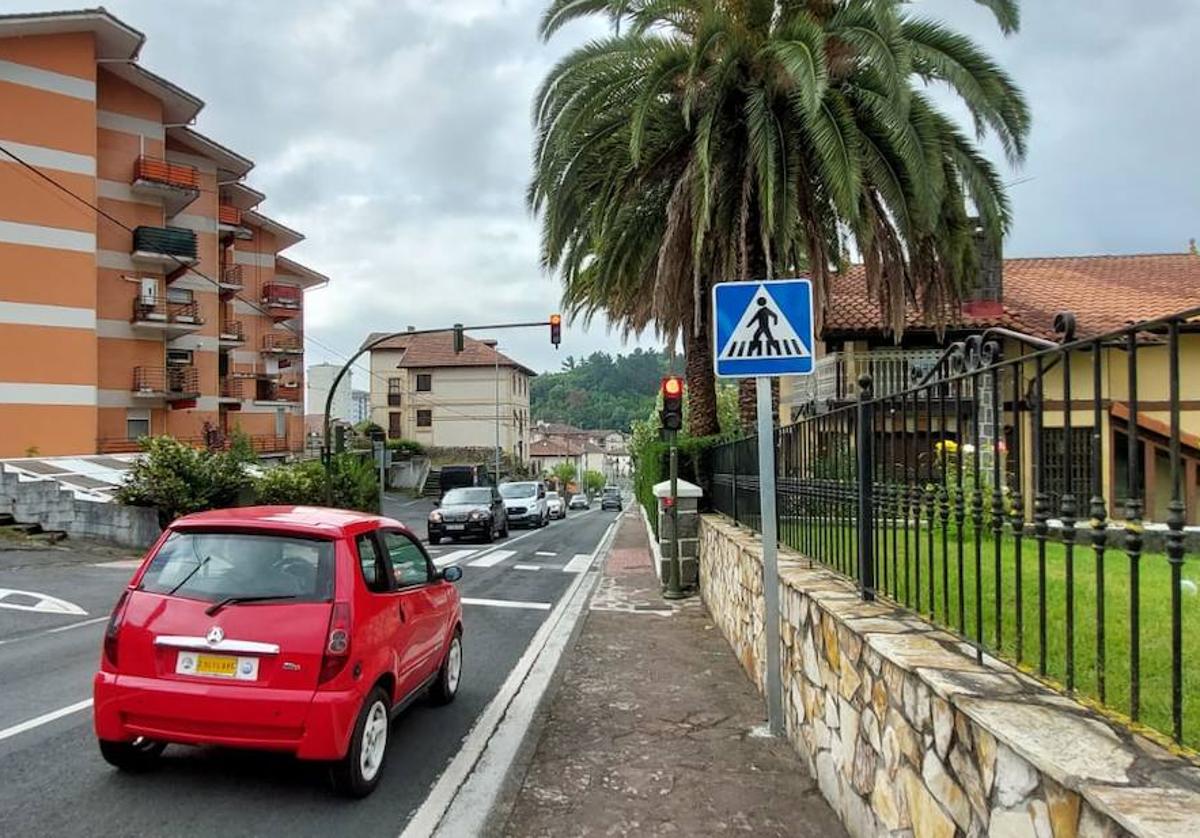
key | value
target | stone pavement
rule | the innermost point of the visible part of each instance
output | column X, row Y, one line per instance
column 652, row 730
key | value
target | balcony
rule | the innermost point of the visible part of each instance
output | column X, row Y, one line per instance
column 154, row 314
column 289, row 392
column 229, row 223
column 234, row 390
column 164, row 247
column 282, row 343
column 282, row 302
column 176, row 185
column 174, row 383
column 231, row 332
column 230, row 278
column 835, row 377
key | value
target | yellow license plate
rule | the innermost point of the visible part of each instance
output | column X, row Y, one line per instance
column 216, row 665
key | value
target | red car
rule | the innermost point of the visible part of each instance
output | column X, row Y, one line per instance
column 283, row 628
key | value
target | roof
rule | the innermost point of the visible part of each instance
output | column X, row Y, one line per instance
column 241, row 196
column 563, row 447
column 1105, row 293
column 436, row 349
column 284, row 235
column 179, row 106
column 312, row 519
column 289, row 269
column 114, row 38
column 230, row 164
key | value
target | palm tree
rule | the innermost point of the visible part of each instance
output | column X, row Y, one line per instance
column 707, row 140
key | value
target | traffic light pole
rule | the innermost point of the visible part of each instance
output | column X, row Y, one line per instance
column 675, row 571
column 457, row 329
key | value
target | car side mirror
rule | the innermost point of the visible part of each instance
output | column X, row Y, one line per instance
column 452, row 573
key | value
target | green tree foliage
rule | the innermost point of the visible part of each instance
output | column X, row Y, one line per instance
column 707, row 140
column 594, row 480
column 355, row 484
column 178, row 479
column 564, row 473
column 600, row 391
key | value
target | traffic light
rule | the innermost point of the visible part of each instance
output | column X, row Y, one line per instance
column 671, row 414
column 556, row 329
column 458, row 338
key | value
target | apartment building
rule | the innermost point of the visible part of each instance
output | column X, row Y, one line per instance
column 422, row 389
column 142, row 291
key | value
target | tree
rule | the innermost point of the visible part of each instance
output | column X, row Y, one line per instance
column 717, row 139
column 593, row 480
column 564, row 472
column 178, row 479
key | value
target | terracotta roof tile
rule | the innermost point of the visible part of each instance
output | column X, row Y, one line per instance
column 1104, row 292
column 436, row 349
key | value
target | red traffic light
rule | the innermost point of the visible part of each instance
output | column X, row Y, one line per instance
column 671, row 414
column 672, row 386
column 556, row 329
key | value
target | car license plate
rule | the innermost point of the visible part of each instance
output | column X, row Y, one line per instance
column 456, row 527
column 217, row 666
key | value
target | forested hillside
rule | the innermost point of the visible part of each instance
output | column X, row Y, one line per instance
column 601, row 390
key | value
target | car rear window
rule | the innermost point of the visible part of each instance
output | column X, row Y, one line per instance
column 518, row 490
column 217, row 565
column 454, row 496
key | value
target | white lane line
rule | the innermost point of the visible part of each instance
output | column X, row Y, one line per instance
column 507, row 603
column 545, row 553
column 45, row 718
column 41, row 603
column 494, row 558
column 70, row 626
column 120, row 564
column 527, row 567
column 579, row 564
column 451, row 558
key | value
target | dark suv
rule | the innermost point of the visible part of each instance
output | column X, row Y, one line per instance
column 611, row 499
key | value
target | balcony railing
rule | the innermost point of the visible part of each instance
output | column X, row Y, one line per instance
column 835, row 377
column 165, row 245
column 231, row 277
column 282, row 343
column 232, row 330
column 156, row 171
column 177, row 382
column 174, row 318
column 263, row 444
column 277, row 295
column 234, row 388
column 229, row 215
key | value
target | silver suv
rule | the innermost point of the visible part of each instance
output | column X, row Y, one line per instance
column 525, row 502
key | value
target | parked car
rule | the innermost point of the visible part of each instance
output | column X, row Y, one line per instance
column 555, row 505
column 579, row 502
column 611, row 498
column 476, row 512
column 460, row 476
column 279, row 628
column 525, row 502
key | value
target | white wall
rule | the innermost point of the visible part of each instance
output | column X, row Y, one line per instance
column 320, row 379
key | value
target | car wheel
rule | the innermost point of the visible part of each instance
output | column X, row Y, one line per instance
column 435, row 540
column 489, row 535
column 446, row 686
column 137, row 756
column 357, row 773
column 504, row 532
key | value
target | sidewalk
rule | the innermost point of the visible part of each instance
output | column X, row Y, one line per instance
column 649, row 733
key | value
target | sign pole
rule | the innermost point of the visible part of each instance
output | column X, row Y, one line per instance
column 770, row 552
column 674, row 574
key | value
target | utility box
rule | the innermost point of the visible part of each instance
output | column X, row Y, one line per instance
column 689, row 495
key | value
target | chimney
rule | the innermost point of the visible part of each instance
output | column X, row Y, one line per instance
column 987, row 298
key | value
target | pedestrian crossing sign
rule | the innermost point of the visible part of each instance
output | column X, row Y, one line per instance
column 763, row 327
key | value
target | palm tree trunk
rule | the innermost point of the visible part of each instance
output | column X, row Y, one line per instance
column 701, row 385
column 748, row 404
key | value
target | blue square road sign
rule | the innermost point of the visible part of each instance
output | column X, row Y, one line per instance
column 763, row 328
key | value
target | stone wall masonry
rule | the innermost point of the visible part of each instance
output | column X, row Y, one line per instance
column 46, row 502
column 908, row 735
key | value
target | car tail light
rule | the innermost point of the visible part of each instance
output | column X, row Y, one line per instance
column 337, row 642
column 113, row 630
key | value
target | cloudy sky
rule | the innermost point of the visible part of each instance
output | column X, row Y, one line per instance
column 396, row 135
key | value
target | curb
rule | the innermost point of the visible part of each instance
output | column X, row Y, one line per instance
column 476, row 796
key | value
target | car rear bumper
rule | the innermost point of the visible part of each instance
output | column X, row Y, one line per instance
column 470, row 528
column 310, row 725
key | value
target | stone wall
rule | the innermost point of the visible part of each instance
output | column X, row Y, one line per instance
column 46, row 502
column 908, row 735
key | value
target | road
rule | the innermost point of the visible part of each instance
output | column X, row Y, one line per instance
column 53, row 781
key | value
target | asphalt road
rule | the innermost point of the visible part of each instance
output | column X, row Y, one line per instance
column 53, row 781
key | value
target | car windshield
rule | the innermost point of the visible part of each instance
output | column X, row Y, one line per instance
column 219, row 565
column 578, row 497
column 466, row 496
column 612, row 491
column 518, row 490
column 551, row 495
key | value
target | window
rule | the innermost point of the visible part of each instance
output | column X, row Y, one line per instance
column 137, row 424
column 393, row 392
column 424, row 382
column 424, row 418
column 409, row 563
column 179, row 295
column 395, row 425
column 179, row 357
column 371, row 562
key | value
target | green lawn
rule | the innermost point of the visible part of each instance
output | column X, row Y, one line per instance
column 834, row 543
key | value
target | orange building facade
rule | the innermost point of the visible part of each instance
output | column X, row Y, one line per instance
column 141, row 290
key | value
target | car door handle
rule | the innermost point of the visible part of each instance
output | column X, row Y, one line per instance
column 403, row 618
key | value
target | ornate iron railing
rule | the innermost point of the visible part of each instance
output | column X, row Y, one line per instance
column 1043, row 506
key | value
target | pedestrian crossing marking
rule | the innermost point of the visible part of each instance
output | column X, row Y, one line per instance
column 527, row 567
column 507, row 603
column 579, row 564
column 494, row 558
column 451, row 558
column 763, row 331
column 545, row 553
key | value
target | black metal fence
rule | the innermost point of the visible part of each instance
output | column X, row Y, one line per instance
column 1039, row 499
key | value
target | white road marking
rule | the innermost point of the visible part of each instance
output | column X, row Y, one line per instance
column 120, row 564
column 545, row 553
column 493, row 558
column 45, row 718
column 451, row 558
column 70, row 626
column 45, row 603
column 527, row 567
column 507, row 603
column 579, row 564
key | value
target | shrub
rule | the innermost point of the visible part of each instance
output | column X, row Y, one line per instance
column 355, row 484
column 178, row 479
column 406, row 447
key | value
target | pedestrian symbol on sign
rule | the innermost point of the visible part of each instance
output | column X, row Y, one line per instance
column 762, row 326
